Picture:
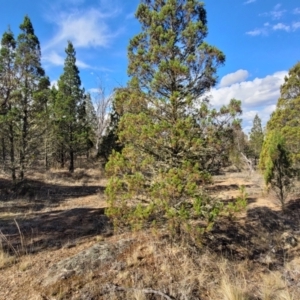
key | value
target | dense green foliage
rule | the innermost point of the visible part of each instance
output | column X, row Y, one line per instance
column 172, row 139
column 256, row 138
column 285, row 119
column 276, row 163
column 279, row 158
column 39, row 124
column 8, row 89
column 70, row 111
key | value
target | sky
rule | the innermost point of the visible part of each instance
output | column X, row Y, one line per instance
column 260, row 39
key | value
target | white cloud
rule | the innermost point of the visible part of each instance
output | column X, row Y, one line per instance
column 94, row 90
column 248, row 116
column 54, row 83
column 258, row 96
column 130, row 16
column 296, row 25
column 53, row 58
column 277, row 6
column 83, row 65
column 257, row 32
column 84, row 28
column 281, row 26
column 57, row 60
column 296, row 11
column 235, row 77
column 275, row 13
column 259, row 92
column 249, row 1
column 74, row 2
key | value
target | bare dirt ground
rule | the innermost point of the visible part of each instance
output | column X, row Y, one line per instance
column 57, row 243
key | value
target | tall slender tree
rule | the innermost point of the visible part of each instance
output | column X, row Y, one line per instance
column 8, row 86
column 42, row 119
column 88, row 120
column 285, row 119
column 256, row 138
column 67, row 107
column 166, row 126
column 29, row 72
column 276, row 165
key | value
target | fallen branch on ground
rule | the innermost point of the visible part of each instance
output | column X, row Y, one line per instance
column 146, row 291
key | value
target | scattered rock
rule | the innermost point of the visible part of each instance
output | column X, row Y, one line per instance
column 288, row 240
column 99, row 255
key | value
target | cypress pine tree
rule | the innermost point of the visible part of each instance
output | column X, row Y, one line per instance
column 30, row 72
column 285, row 118
column 42, row 120
column 170, row 136
column 7, row 93
column 109, row 141
column 276, row 164
column 87, row 117
column 256, row 138
column 67, row 108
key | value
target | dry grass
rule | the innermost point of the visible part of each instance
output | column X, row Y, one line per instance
column 5, row 259
column 60, row 219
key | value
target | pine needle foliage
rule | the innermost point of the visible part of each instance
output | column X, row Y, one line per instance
column 172, row 138
column 276, row 163
column 285, row 118
column 68, row 108
column 256, row 138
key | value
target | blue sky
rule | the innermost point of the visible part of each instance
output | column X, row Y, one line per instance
column 260, row 39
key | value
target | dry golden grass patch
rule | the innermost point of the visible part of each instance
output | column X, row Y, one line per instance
column 5, row 259
column 153, row 261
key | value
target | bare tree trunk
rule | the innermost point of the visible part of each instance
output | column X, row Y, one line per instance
column 12, row 153
column 71, row 167
column 248, row 162
column 62, row 157
column 103, row 104
column 24, row 133
column 3, row 152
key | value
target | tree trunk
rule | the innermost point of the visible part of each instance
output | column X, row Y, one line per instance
column 71, row 167
column 62, row 157
column 23, row 144
column 12, row 153
column 3, row 152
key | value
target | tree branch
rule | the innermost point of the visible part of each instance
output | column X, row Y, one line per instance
column 146, row 291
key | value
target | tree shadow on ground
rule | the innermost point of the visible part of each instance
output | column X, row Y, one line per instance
column 34, row 195
column 260, row 234
column 53, row 230
column 228, row 187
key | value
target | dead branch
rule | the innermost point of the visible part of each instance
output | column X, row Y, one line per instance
column 248, row 162
column 146, row 291
column 103, row 105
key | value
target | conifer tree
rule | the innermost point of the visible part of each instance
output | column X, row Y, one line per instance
column 256, row 138
column 29, row 72
column 276, row 164
column 285, row 118
column 109, row 140
column 170, row 135
column 8, row 86
column 88, row 119
column 42, row 120
column 67, row 108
